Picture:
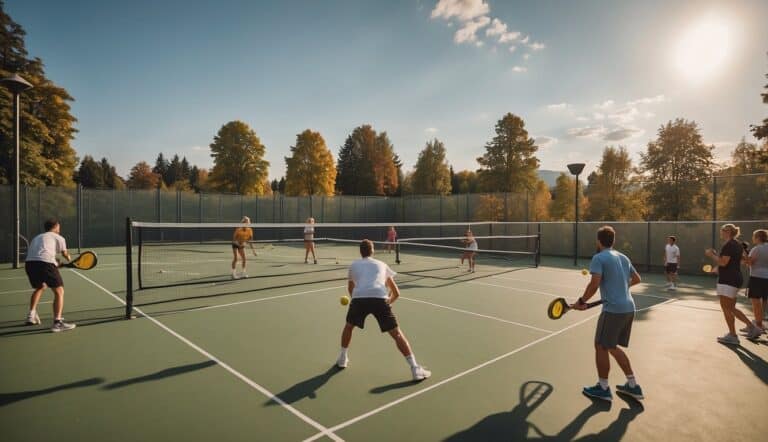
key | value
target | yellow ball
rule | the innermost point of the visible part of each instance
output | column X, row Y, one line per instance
column 344, row 300
column 584, row 272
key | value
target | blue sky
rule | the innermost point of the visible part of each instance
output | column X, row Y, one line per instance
column 164, row 76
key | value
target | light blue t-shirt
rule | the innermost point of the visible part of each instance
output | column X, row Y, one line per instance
column 615, row 271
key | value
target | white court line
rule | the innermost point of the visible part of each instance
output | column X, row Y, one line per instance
column 323, row 430
column 514, row 288
column 261, row 299
column 29, row 290
column 459, row 375
column 478, row 314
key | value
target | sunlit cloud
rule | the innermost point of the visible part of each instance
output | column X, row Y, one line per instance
column 468, row 33
column 587, row 131
column 607, row 104
column 648, row 100
column 545, row 141
column 622, row 133
column 536, row 46
column 558, row 106
column 519, row 69
column 431, row 130
column 461, row 9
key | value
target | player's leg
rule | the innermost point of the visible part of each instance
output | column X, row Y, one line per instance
column 306, row 252
column 33, row 318
column 388, row 323
column 58, row 311
column 241, row 252
column 605, row 337
column 234, row 261
column 312, row 249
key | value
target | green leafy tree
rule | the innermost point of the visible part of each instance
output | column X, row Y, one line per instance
column 198, row 179
column 238, row 160
column 562, row 208
column 161, row 166
column 743, row 191
column 142, row 177
column 509, row 163
column 610, row 188
column 432, row 175
column 90, row 174
column 676, row 167
column 760, row 131
column 310, row 168
column 366, row 164
column 466, row 181
column 48, row 125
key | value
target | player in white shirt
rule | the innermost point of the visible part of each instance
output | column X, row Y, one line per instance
column 373, row 290
column 671, row 262
column 43, row 271
column 309, row 240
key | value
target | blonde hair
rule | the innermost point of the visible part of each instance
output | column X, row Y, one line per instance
column 310, row 220
column 761, row 235
column 245, row 220
column 734, row 231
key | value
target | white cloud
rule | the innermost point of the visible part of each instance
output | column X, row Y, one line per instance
column 526, row 56
column 622, row 133
column 545, row 141
column 497, row 27
column 512, row 48
column 587, row 131
column 464, row 10
column 468, row 33
column 431, row 130
column 519, row 69
column 536, row 46
column 625, row 114
column 605, row 104
column 558, row 106
column 479, row 44
column 582, row 118
column 648, row 100
column 196, row 148
column 509, row 37
column 526, row 40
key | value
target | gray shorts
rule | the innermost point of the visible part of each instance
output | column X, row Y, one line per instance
column 613, row 329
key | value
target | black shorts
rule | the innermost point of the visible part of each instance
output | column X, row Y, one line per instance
column 613, row 329
column 360, row 308
column 40, row 273
column 671, row 267
column 236, row 246
column 757, row 288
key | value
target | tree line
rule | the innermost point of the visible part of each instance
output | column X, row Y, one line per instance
column 669, row 182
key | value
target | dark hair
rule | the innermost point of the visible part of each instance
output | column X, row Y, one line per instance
column 673, row 238
column 366, row 248
column 50, row 223
column 606, row 235
column 761, row 234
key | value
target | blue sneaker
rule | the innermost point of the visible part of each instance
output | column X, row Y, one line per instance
column 598, row 392
column 635, row 392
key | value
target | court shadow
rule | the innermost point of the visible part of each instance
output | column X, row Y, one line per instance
column 10, row 398
column 755, row 363
column 306, row 388
column 394, row 386
column 159, row 375
column 510, row 425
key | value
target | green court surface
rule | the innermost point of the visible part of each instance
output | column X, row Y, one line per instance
column 252, row 359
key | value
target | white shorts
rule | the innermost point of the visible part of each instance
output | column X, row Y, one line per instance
column 728, row 291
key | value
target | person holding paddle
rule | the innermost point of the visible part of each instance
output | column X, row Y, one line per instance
column 42, row 269
column 613, row 273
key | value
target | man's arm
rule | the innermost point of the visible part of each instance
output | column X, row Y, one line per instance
column 394, row 291
column 634, row 279
column 350, row 286
column 589, row 291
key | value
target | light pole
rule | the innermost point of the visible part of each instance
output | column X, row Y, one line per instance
column 575, row 169
column 16, row 85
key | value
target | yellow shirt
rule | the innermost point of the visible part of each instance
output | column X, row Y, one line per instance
column 242, row 234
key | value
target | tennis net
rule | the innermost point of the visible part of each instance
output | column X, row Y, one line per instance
column 177, row 254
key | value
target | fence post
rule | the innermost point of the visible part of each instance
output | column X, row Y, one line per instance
column 648, row 247
column 79, row 216
column 114, row 216
column 506, row 206
column 157, row 204
column 26, row 213
column 200, row 207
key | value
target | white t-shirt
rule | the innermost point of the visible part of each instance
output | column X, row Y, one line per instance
column 370, row 278
column 45, row 247
column 672, row 253
column 309, row 232
column 759, row 269
column 472, row 246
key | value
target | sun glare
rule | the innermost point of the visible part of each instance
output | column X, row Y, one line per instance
column 703, row 49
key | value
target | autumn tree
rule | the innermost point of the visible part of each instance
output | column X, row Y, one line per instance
column 562, row 207
column 676, row 166
column 48, row 125
column 238, row 160
column 509, row 163
column 310, row 168
column 366, row 164
column 542, row 198
column 743, row 191
column 465, row 181
column 142, row 177
column 610, row 188
column 432, row 175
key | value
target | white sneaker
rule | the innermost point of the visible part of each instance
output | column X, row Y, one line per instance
column 60, row 326
column 420, row 373
column 755, row 333
column 343, row 361
column 672, row 288
column 243, row 275
column 33, row 318
column 728, row 339
column 749, row 327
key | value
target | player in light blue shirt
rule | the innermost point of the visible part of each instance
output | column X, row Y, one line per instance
column 613, row 273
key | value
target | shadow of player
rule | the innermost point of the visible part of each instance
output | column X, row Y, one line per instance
column 306, row 388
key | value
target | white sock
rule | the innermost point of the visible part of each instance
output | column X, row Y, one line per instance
column 411, row 359
column 631, row 381
column 343, row 352
column 603, row 383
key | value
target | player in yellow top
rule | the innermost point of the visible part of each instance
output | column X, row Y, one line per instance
column 241, row 236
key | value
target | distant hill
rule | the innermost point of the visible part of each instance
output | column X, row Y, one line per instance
column 549, row 176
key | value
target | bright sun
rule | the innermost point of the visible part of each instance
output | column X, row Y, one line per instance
column 703, row 49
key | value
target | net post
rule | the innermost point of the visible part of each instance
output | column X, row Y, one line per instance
column 141, row 247
column 79, row 212
column 128, row 269
column 538, row 245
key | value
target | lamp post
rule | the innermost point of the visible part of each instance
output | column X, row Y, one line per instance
column 575, row 169
column 16, row 85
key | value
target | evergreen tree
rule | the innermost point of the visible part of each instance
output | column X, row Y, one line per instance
column 432, row 175
column 90, row 174
column 509, row 163
column 366, row 164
